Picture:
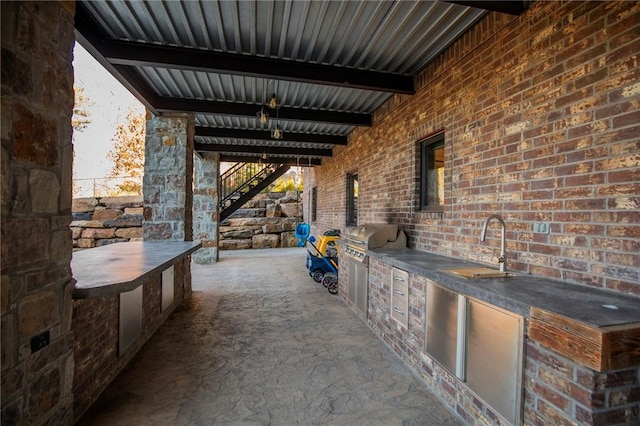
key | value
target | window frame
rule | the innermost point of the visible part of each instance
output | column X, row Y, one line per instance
column 427, row 147
column 314, row 204
column 352, row 205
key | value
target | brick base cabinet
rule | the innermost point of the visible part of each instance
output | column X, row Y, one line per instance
column 555, row 389
column 95, row 328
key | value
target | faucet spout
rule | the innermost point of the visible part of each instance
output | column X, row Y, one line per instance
column 502, row 260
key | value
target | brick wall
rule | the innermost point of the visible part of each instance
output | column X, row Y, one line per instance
column 541, row 121
column 37, row 104
column 95, row 328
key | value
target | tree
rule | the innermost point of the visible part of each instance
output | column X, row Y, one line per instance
column 80, row 120
column 81, row 117
column 128, row 152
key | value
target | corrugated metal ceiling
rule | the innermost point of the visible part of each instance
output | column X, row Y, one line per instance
column 393, row 37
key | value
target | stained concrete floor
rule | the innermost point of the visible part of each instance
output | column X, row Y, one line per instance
column 261, row 343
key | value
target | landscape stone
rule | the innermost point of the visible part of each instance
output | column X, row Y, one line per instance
column 273, row 210
column 81, row 216
column 100, row 243
column 134, row 210
column 87, row 224
column 99, row 233
column 241, row 234
column 76, row 233
column 82, row 205
column 128, row 233
column 291, row 209
column 265, row 241
column 106, row 214
column 253, row 212
column 86, row 243
column 122, row 201
column 288, row 239
column 272, row 228
column 124, row 221
column 235, row 244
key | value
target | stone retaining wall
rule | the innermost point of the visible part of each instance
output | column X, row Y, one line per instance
column 267, row 221
column 101, row 221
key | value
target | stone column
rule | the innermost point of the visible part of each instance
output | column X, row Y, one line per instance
column 205, row 206
column 37, row 154
column 168, row 178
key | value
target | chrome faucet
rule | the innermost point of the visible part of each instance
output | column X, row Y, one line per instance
column 502, row 260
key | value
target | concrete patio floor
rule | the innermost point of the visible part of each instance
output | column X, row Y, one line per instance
column 261, row 343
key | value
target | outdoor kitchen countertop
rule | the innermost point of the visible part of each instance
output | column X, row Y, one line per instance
column 118, row 268
column 593, row 306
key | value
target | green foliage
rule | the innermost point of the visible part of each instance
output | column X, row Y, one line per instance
column 128, row 151
column 81, row 117
column 284, row 184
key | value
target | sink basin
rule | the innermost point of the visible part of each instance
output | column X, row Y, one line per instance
column 479, row 273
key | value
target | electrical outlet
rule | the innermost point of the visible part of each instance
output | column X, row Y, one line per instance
column 541, row 227
column 40, row 341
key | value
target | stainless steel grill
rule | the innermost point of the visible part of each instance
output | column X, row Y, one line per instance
column 361, row 239
column 372, row 236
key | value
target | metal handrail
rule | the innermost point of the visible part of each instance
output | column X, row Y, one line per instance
column 241, row 176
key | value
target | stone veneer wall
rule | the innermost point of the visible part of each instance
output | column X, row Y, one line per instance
column 168, row 178
column 95, row 326
column 267, row 221
column 101, row 221
column 205, row 205
column 37, row 155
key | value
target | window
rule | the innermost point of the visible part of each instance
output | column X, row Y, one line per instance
column 314, row 203
column 352, row 199
column 432, row 173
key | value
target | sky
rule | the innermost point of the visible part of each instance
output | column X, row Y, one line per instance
column 111, row 102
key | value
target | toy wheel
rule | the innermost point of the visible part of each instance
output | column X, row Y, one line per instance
column 333, row 286
column 327, row 278
column 317, row 275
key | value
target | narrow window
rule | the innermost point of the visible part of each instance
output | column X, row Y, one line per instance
column 432, row 173
column 314, row 203
column 352, row 199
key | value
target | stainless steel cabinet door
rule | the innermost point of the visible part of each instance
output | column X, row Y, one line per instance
column 442, row 326
column 494, row 358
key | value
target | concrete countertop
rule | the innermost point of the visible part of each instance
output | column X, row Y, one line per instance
column 118, row 268
column 520, row 292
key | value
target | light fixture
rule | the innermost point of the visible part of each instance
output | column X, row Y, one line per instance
column 264, row 156
column 276, row 133
column 263, row 116
column 273, row 102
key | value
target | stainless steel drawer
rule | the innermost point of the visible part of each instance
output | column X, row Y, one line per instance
column 400, row 296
